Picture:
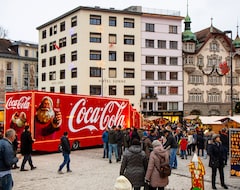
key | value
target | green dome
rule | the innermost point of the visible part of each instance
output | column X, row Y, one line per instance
column 187, row 35
column 187, row 19
column 236, row 42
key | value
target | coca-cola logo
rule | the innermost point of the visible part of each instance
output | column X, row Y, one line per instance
column 88, row 117
column 22, row 103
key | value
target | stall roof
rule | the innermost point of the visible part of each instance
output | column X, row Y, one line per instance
column 233, row 118
column 211, row 119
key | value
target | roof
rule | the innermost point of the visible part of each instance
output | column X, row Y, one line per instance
column 6, row 47
column 210, row 119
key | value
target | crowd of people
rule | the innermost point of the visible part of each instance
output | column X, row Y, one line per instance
column 142, row 151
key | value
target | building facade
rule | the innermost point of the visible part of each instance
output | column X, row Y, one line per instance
column 18, row 66
column 210, row 86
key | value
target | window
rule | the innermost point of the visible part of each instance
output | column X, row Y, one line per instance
column 52, row 75
column 129, row 56
column 129, row 73
column 196, row 79
column 173, row 45
column 173, row 76
column 26, row 68
column 173, row 29
column 43, row 76
column 74, row 72
column 52, row 61
column 173, row 105
column 195, row 97
column 9, row 66
column 162, row 90
column 214, row 80
column 44, row 63
column 95, row 90
column 74, row 38
column 62, row 89
column 95, row 37
column 95, row 19
column 112, row 55
column 149, row 75
column 95, row 55
column 9, row 81
column 44, row 34
column 128, row 23
column 62, row 42
column 149, row 59
column 44, row 48
column 52, row 89
column 112, row 90
column 173, row 90
column 26, row 53
column 162, row 106
column 162, row 44
column 52, row 45
column 149, row 27
column 112, row 39
column 55, row 29
column 74, row 56
column 129, row 39
column 112, row 72
column 149, row 43
column 50, row 31
column 161, row 75
column 112, row 21
column 162, row 60
column 95, row 72
column 62, row 26
column 62, row 58
column 62, row 74
column 74, row 21
column 129, row 90
column 173, row 60
column 213, row 97
column 74, row 89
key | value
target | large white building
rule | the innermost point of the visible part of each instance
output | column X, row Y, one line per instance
column 133, row 53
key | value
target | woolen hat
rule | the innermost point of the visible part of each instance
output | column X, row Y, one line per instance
column 122, row 183
column 215, row 136
column 156, row 143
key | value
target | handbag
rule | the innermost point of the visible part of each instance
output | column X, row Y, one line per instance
column 164, row 170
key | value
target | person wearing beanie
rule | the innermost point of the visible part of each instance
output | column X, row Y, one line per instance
column 134, row 164
column 216, row 161
column 122, row 183
column 158, row 157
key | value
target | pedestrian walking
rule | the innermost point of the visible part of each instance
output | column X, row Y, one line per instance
column 105, row 143
column 26, row 148
column 134, row 164
column 66, row 150
column 7, row 159
column 112, row 144
column 216, row 161
column 158, row 157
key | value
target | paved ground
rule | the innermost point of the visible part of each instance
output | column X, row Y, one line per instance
column 92, row 172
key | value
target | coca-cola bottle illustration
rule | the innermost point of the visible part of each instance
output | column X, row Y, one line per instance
column 57, row 114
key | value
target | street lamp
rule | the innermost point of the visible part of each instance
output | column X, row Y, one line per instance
column 231, row 70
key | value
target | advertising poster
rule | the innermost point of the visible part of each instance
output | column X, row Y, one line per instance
column 234, row 138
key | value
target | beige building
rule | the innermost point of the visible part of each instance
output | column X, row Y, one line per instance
column 18, row 66
column 92, row 51
column 210, row 86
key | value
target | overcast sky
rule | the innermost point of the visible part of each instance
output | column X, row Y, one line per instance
column 21, row 17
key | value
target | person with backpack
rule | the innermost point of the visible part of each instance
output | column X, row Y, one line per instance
column 158, row 157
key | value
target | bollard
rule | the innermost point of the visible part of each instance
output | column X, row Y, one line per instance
column 197, row 171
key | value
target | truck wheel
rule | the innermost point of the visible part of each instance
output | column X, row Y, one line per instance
column 75, row 145
column 59, row 148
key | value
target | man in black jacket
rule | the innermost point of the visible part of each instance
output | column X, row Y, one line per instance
column 26, row 148
column 66, row 150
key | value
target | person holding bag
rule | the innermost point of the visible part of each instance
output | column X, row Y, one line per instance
column 158, row 157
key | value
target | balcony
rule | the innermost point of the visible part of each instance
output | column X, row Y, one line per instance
column 149, row 96
column 189, row 68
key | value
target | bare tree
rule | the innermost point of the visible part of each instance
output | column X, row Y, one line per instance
column 3, row 32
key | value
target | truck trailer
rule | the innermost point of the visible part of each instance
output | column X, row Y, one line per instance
column 49, row 115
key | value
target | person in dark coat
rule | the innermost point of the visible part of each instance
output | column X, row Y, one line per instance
column 26, row 148
column 119, row 138
column 200, row 143
column 66, row 150
column 134, row 164
column 7, row 159
column 216, row 161
column 15, row 149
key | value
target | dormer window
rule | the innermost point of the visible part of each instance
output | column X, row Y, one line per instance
column 214, row 46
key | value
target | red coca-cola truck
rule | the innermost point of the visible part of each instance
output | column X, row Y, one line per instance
column 49, row 115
